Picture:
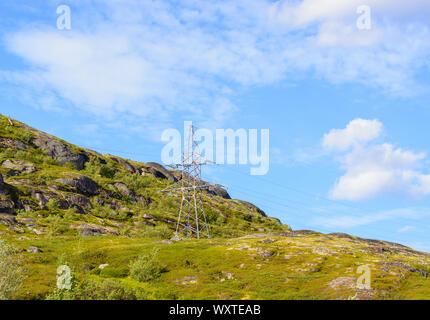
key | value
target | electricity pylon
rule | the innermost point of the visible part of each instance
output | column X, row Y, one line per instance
column 191, row 217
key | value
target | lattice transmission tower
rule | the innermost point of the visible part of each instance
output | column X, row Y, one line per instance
column 191, row 218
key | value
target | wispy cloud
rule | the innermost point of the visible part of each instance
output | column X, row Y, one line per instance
column 140, row 58
column 375, row 169
column 405, row 229
column 349, row 221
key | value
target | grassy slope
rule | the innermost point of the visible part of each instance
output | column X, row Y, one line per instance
column 302, row 266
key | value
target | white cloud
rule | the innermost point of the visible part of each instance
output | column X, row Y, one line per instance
column 357, row 132
column 405, row 229
column 140, row 58
column 357, row 221
column 374, row 170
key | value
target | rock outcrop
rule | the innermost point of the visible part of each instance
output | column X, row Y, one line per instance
column 60, row 151
column 19, row 166
column 81, row 184
column 6, row 203
column 158, row 171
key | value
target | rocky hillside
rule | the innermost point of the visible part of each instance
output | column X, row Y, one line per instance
column 94, row 194
column 63, row 204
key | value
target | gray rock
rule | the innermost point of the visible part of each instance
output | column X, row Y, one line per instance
column 43, row 197
column 33, row 249
column 228, row 275
column 125, row 191
column 6, row 203
column 176, row 238
column 6, row 206
column 102, row 266
column 95, row 230
column 60, row 151
column 266, row 241
column 39, row 196
column 8, row 220
column 252, row 207
column 35, row 230
column 3, row 188
column 82, row 184
column 218, row 191
column 9, row 142
column 166, row 241
column 78, row 200
column 130, row 168
column 149, row 217
column 266, row 254
column 159, row 171
column 20, row 166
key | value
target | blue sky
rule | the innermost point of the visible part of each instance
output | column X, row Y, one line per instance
column 347, row 109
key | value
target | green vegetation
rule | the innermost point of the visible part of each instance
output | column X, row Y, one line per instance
column 11, row 271
column 146, row 267
column 111, row 225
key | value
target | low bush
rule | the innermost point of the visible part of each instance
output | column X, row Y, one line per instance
column 159, row 232
column 146, row 267
column 11, row 271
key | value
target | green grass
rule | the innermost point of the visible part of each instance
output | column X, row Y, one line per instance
column 195, row 269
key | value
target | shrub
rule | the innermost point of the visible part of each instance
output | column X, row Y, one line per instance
column 56, row 225
column 106, row 212
column 11, row 272
column 159, row 232
column 137, row 182
column 64, row 294
column 96, row 289
column 114, row 272
column 44, row 178
column 6, row 154
column 35, row 156
column 146, row 267
column 53, row 204
column 70, row 165
column 94, row 167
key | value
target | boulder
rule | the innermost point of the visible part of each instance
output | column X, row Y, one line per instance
column 34, row 249
column 81, row 184
column 6, row 203
column 12, row 143
column 267, row 254
column 78, row 201
column 3, row 188
column 266, row 241
column 20, row 166
column 91, row 230
column 218, row 191
column 130, row 168
column 147, row 216
column 176, row 238
column 252, row 207
column 60, row 151
column 43, row 197
column 125, row 191
column 210, row 188
column 8, row 219
column 6, row 206
column 158, row 171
